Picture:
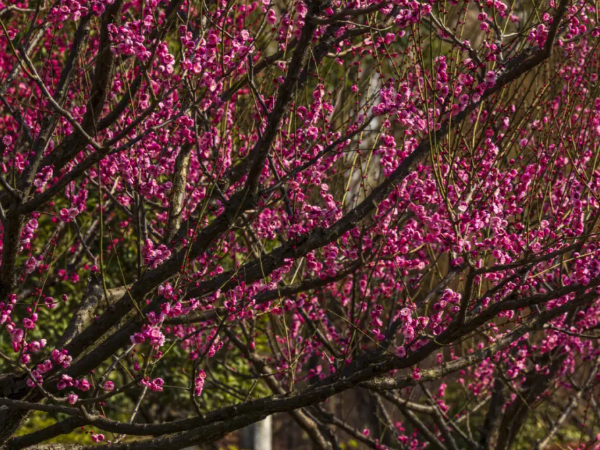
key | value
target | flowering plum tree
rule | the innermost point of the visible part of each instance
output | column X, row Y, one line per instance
column 248, row 208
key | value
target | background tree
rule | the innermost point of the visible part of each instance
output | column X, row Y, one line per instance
column 217, row 211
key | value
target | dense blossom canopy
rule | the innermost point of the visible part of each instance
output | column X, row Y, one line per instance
column 246, row 208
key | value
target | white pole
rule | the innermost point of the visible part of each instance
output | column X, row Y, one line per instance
column 258, row 436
